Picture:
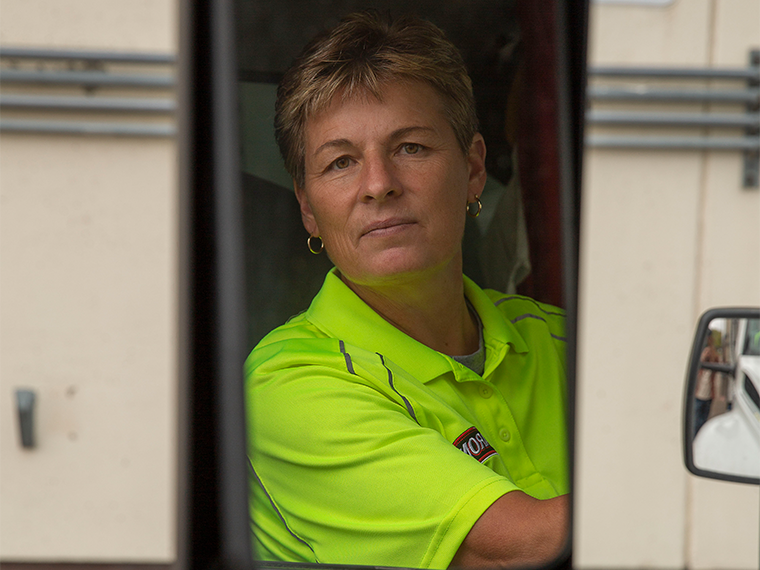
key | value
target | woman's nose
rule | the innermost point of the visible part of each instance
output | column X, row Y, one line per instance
column 379, row 180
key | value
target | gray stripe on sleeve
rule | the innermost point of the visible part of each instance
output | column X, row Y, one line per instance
column 527, row 316
column 349, row 364
column 540, row 308
column 531, row 316
column 409, row 407
column 279, row 514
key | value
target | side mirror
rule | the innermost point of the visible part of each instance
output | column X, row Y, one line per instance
column 721, row 418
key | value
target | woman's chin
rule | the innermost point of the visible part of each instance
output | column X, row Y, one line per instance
column 392, row 268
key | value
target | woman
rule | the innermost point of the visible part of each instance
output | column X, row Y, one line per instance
column 408, row 418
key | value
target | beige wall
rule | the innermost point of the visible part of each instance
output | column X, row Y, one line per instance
column 88, row 313
column 109, row 25
column 666, row 234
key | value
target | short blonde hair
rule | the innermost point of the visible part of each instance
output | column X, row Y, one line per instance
column 359, row 55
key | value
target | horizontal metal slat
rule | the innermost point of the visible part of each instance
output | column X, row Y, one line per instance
column 643, row 93
column 86, row 55
column 623, row 118
column 741, row 73
column 82, row 128
column 110, row 104
column 86, row 78
column 673, row 143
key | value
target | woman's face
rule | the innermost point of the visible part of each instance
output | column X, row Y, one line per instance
column 386, row 184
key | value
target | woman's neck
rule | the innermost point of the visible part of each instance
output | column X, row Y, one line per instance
column 431, row 309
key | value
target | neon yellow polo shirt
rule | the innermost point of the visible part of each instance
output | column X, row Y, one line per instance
column 368, row 447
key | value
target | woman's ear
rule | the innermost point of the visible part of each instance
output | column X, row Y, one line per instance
column 307, row 215
column 476, row 162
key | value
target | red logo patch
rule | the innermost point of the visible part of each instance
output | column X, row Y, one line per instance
column 474, row 445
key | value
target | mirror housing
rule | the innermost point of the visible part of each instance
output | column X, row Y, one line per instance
column 723, row 441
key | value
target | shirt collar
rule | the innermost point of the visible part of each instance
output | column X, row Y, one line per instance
column 338, row 311
column 499, row 335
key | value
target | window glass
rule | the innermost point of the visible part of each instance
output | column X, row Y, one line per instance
column 514, row 246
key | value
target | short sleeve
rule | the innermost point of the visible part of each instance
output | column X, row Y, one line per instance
column 341, row 472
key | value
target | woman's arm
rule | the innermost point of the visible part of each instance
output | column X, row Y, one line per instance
column 516, row 530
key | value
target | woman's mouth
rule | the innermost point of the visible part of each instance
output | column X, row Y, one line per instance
column 386, row 227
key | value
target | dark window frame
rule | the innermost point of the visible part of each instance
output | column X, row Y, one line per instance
column 213, row 527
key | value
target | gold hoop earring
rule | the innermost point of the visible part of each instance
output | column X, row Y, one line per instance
column 476, row 213
column 311, row 247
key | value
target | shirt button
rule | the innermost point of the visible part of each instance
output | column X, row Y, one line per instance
column 504, row 434
column 486, row 391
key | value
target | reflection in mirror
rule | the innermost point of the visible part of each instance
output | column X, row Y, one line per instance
column 725, row 411
column 406, row 412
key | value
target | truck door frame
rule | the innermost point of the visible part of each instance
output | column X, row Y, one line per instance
column 213, row 525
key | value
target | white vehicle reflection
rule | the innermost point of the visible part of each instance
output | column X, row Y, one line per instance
column 730, row 442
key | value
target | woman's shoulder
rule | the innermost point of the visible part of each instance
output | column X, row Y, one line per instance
column 513, row 304
column 298, row 326
column 301, row 343
column 536, row 322
column 295, row 331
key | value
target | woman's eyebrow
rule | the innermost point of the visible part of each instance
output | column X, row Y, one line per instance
column 401, row 133
column 337, row 143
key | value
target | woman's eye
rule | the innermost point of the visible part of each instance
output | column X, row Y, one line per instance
column 342, row 162
column 412, row 148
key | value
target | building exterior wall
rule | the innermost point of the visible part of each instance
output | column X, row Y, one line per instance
column 88, row 310
column 666, row 235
